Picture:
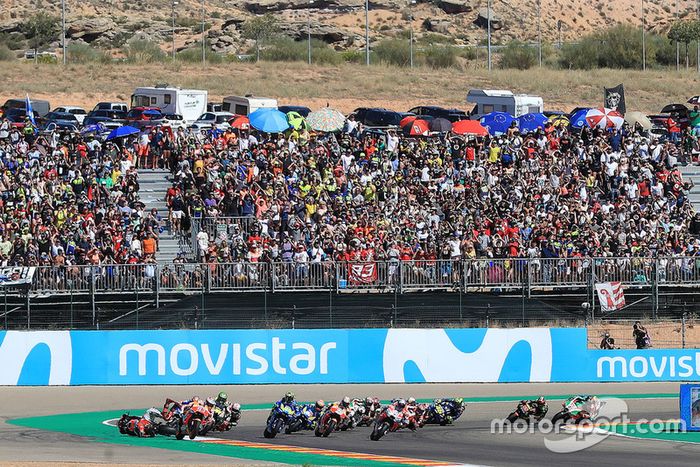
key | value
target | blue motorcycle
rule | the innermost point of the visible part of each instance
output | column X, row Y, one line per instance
column 281, row 416
column 445, row 411
column 306, row 418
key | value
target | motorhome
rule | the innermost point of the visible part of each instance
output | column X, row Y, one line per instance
column 487, row 101
column 190, row 103
column 245, row 105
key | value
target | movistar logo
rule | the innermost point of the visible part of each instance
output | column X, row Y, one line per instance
column 17, row 345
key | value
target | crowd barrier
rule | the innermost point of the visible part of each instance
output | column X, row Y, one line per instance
column 328, row 356
column 389, row 276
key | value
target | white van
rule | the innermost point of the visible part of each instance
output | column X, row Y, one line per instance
column 245, row 105
column 488, row 100
column 190, row 103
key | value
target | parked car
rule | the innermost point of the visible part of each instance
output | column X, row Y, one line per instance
column 59, row 117
column 143, row 114
column 453, row 115
column 379, row 118
column 679, row 112
column 174, row 121
column 116, row 106
column 39, row 107
column 79, row 112
column 59, row 126
column 17, row 117
column 210, row 120
column 300, row 109
column 111, row 119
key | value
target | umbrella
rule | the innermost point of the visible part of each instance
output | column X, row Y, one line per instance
column 559, row 120
column 268, row 120
column 152, row 113
column 469, row 127
column 240, row 122
column 327, row 120
column 296, row 120
column 96, row 128
column 497, row 122
column 578, row 119
column 638, row 118
column 122, row 132
column 604, row 118
column 440, row 125
column 417, row 127
column 695, row 100
column 406, row 120
column 531, row 122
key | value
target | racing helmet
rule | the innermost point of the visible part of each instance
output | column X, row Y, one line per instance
column 541, row 400
column 459, row 400
column 411, row 400
column 320, row 404
column 400, row 404
column 195, row 400
column 222, row 397
column 211, row 402
column 288, row 398
column 236, row 407
column 369, row 401
column 345, row 402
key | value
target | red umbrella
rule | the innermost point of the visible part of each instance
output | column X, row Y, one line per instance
column 240, row 121
column 417, row 128
column 469, row 127
column 406, row 120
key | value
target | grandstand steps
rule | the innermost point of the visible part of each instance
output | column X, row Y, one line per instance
column 154, row 185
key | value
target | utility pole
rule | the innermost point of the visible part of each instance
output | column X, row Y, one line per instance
column 173, row 34
column 63, row 29
column 488, row 31
column 697, row 13
column 559, row 25
column 367, row 32
column 204, row 42
column 644, row 39
column 539, row 30
column 308, row 28
column 410, row 28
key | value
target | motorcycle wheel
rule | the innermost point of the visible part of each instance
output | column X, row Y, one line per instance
column 180, row 435
column 379, row 431
column 268, row 434
column 318, row 431
column 512, row 417
column 560, row 417
column 330, row 428
column 193, row 428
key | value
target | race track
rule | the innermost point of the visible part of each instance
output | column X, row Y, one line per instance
column 469, row 441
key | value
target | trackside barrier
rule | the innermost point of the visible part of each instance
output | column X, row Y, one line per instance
column 328, row 356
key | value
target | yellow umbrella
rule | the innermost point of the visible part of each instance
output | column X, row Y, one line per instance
column 638, row 118
column 559, row 120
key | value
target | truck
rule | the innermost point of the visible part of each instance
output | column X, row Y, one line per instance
column 491, row 100
column 190, row 103
column 245, row 105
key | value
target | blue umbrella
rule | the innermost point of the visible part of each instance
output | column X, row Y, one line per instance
column 96, row 128
column 531, row 122
column 269, row 121
column 122, row 131
column 497, row 122
column 152, row 113
column 578, row 120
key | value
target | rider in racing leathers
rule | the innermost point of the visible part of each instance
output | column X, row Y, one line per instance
column 440, row 410
column 222, row 405
column 537, row 407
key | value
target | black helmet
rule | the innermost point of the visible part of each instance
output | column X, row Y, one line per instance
column 288, row 398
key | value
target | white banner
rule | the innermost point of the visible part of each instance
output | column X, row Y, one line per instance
column 611, row 295
column 15, row 275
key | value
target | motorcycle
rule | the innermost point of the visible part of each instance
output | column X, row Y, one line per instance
column 192, row 422
column 226, row 417
column 331, row 419
column 444, row 411
column 136, row 426
column 576, row 410
column 388, row 420
column 525, row 411
column 422, row 414
column 354, row 414
column 281, row 416
column 305, row 419
column 369, row 413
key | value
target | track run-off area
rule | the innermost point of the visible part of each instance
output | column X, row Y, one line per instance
column 64, row 424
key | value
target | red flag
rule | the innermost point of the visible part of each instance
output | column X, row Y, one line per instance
column 362, row 273
column 611, row 295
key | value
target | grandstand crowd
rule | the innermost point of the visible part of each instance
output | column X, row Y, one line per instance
column 352, row 196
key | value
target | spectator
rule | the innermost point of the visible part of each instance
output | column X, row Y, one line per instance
column 608, row 343
column 641, row 336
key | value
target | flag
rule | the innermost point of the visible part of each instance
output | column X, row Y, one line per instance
column 611, row 295
column 30, row 111
column 615, row 98
column 362, row 273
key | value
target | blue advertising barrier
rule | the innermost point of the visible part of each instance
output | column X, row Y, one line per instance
column 328, row 356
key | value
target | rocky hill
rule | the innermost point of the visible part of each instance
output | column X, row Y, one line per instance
column 340, row 23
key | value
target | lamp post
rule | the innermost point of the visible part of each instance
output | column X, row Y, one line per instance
column 63, row 29
column 367, row 32
column 488, row 31
column 308, row 29
column 173, row 18
column 644, row 38
column 697, row 13
column 539, row 31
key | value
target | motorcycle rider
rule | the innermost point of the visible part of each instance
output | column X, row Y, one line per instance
column 536, row 407
column 440, row 409
column 136, row 426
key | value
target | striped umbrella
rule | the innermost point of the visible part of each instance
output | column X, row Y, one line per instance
column 604, row 118
column 327, row 120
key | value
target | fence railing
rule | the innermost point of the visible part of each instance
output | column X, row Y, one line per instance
column 382, row 276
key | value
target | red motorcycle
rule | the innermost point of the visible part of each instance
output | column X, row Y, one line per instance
column 330, row 420
column 388, row 420
column 193, row 421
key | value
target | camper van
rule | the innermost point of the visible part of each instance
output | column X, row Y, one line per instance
column 487, row 101
column 190, row 103
column 248, row 104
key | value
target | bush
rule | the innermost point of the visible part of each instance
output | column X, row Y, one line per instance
column 143, row 51
column 353, row 56
column 194, row 55
column 393, row 52
column 616, row 47
column 441, row 56
column 286, row 49
column 6, row 55
column 518, row 55
column 83, row 53
column 469, row 53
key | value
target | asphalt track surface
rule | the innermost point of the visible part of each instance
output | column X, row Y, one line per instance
column 469, row 441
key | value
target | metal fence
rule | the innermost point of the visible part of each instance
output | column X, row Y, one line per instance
column 380, row 276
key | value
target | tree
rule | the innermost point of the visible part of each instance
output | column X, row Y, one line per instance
column 685, row 32
column 260, row 28
column 40, row 29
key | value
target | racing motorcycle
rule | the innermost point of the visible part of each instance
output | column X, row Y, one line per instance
column 281, row 416
column 227, row 417
column 525, row 411
column 136, row 426
column 354, row 414
column 305, row 419
column 389, row 419
column 422, row 413
column 331, row 419
column 192, row 422
column 371, row 409
column 576, row 410
column 444, row 411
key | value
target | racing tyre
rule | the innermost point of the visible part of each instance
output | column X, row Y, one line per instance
column 193, row 428
column 559, row 417
column 512, row 417
column 379, row 431
column 329, row 428
column 269, row 434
